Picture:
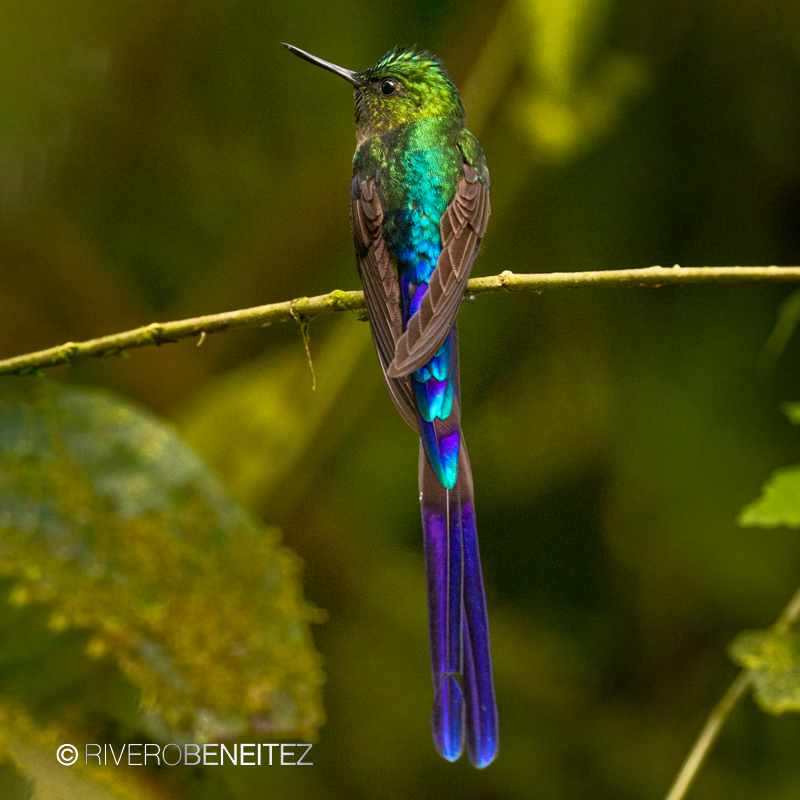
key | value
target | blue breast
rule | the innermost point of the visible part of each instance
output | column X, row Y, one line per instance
column 413, row 237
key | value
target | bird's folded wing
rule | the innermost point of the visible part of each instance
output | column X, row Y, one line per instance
column 381, row 289
column 462, row 227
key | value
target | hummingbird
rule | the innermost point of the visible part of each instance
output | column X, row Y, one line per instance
column 419, row 206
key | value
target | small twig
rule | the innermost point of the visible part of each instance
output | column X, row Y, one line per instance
column 789, row 615
column 707, row 737
column 717, row 717
column 303, row 323
column 307, row 307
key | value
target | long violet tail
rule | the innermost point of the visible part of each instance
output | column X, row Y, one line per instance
column 464, row 703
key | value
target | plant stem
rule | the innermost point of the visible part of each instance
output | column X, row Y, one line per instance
column 717, row 717
column 707, row 736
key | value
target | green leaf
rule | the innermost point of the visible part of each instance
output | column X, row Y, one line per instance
column 109, row 519
column 779, row 503
column 792, row 410
column 774, row 661
column 257, row 424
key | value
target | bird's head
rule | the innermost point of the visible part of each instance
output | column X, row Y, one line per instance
column 404, row 86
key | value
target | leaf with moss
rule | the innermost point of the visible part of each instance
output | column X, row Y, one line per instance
column 115, row 527
column 774, row 661
column 31, row 770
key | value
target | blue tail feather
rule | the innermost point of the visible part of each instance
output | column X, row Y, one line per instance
column 447, row 719
column 481, row 712
column 465, row 710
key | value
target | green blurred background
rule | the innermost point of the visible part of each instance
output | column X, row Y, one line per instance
column 163, row 159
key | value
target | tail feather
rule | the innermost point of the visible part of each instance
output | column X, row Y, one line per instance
column 481, row 712
column 464, row 703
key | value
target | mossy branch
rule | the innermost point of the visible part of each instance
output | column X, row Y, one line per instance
column 304, row 308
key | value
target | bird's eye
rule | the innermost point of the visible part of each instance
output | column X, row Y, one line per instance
column 389, row 86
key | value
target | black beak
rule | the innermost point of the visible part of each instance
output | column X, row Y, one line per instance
column 347, row 74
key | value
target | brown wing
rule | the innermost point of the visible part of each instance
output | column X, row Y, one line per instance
column 381, row 289
column 462, row 227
